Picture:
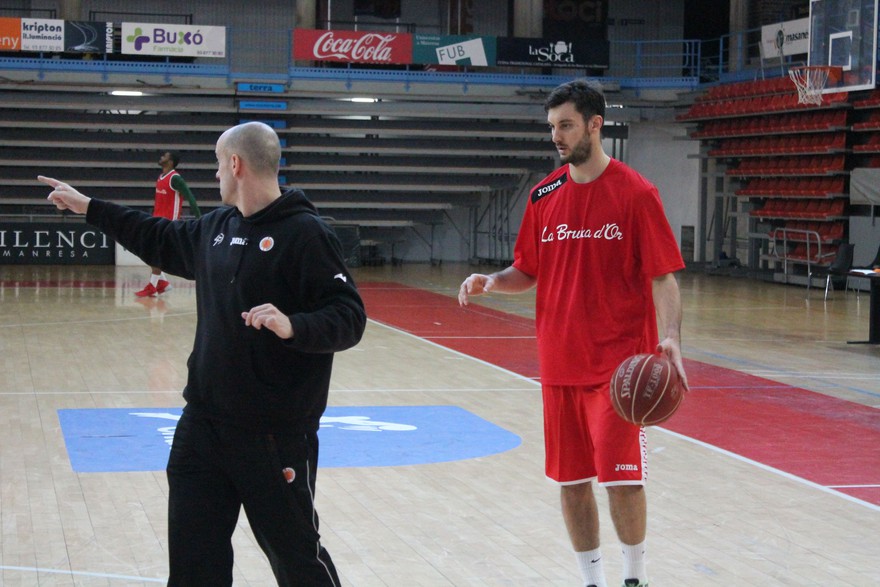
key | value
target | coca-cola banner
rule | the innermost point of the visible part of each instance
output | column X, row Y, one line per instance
column 352, row 46
column 582, row 53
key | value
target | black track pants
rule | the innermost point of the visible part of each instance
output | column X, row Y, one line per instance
column 213, row 470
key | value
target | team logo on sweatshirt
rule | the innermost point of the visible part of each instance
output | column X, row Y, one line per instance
column 218, row 239
column 266, row 243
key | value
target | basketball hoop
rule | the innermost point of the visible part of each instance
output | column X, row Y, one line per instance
column 810, row 80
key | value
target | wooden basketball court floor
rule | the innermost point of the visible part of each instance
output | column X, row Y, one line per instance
column 770, row 475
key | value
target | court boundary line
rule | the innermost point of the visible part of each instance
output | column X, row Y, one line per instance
column 712, row 447
column 71, row 573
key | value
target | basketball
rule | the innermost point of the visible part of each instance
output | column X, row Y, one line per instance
column 645, row 389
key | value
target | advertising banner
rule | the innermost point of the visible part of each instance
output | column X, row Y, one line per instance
column 454, row 50
column 42, row 34
column 54, row 243
column 173, row 40
column 88, row 37
column 352, row 46
column 10, row 34
column 782, row 39
column 591, row 54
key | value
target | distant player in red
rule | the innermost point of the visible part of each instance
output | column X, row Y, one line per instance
column 595, row 242
column 169, row 188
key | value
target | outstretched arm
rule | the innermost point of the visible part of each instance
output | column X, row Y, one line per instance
column 667, row 301
column 65, row 197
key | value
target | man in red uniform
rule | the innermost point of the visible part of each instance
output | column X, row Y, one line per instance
column 596, row 243
column 169, row 188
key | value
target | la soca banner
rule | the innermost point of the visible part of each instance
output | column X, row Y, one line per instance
column 56, row 36
column 407, row 49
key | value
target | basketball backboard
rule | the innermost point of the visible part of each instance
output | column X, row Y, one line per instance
column 843, row 33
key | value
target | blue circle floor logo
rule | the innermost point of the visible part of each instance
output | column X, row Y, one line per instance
column 127, row 440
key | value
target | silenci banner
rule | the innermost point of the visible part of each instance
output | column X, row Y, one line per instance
column 54, row 243
column 584, row 53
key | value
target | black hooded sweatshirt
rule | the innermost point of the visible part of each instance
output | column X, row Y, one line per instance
column 284, row 255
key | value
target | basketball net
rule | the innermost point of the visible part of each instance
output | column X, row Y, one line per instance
column 810, row 80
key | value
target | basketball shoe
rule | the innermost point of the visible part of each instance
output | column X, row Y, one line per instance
column 163, row 286
column 633, row 583
column 148, row 291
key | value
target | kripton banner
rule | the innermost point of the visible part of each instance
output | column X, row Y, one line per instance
column 55, row 36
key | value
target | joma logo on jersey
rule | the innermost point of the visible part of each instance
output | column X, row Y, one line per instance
column 620, row 467
column 237, row 240
column 546, row 189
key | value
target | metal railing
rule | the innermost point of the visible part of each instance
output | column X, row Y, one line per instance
column 783, row 238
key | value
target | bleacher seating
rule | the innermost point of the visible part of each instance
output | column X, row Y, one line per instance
column 872, row 100
column 796, row 208
column 797, row 230
column 821, row 187
column 800, row 166
column 790, row 144
column 794, row 122
column 386, row 163
column 774, row 95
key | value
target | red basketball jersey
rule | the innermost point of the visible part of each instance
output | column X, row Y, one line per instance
column 168, row 201
column 594, row 248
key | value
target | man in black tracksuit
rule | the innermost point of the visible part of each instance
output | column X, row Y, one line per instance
column 275, row 301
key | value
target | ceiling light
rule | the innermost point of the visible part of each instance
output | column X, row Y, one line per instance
column 126, row 93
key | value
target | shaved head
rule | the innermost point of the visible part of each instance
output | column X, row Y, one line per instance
column 256, row 144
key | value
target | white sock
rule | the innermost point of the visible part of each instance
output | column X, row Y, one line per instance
column 154, row 279
column 590, row 563
column 634, row 562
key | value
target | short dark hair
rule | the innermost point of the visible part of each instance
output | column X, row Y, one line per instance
column 587, row 97
column 175, row 157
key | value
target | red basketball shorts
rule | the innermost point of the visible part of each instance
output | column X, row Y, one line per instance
column 585, row 440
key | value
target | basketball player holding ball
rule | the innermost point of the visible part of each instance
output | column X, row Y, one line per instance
column 596, row 243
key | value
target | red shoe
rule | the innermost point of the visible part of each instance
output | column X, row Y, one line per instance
column 163, row 286
column 148, row 291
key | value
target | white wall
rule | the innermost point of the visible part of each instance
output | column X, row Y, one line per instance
column 864, row 233
column 660, row 151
